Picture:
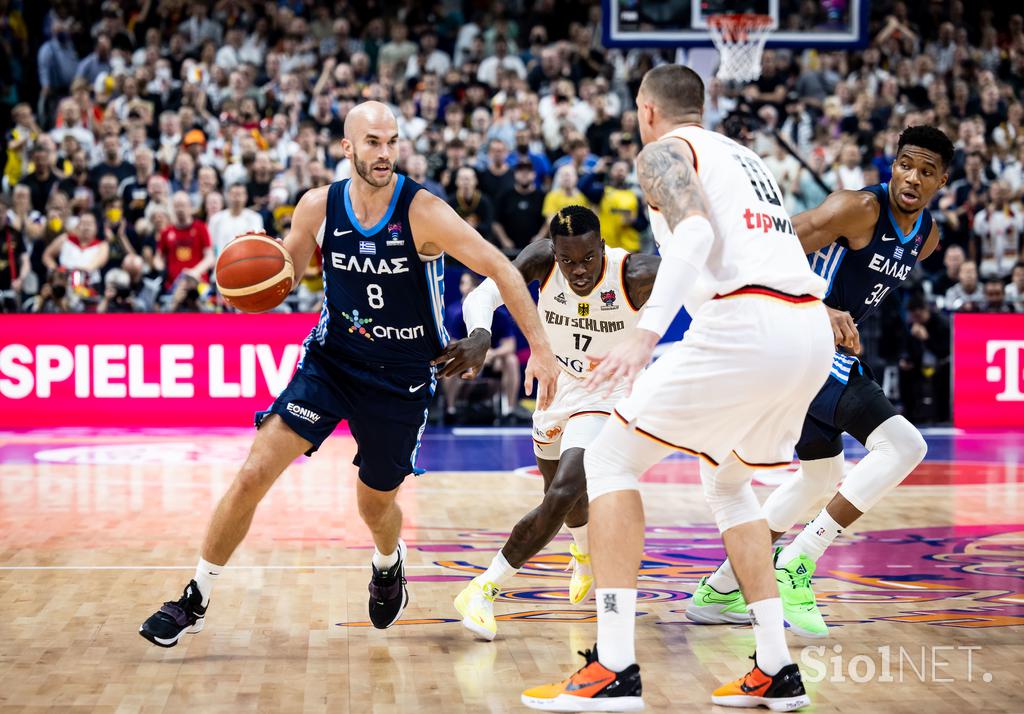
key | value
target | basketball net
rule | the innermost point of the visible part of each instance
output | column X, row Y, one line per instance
column 739, row 39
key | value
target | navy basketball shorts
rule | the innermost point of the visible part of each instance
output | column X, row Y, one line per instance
column 385, row 406
column 857, row 408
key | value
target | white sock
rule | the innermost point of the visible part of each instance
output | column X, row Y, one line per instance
column 616, row 618
column 498, row 572
column 382, row 561
column 812, row 540
column 769, row 634
column 724, row 579
column 205, row 577
column 579, row 536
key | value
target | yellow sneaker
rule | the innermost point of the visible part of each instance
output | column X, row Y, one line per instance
column 476, row 605
column 581, row 583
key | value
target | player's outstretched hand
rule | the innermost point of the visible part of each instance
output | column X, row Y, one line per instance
column 623, row 363
column 845, row 330
column 543, row 368
column 464, row 357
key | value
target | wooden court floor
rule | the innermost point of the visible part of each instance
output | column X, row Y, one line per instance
column 925, row 597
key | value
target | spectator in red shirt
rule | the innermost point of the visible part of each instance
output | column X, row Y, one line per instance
column 184, row 246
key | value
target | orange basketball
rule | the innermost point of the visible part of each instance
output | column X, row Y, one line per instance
column 255, row 273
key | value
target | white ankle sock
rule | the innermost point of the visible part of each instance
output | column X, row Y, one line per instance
column 616, row 619
column 579, row 536
column 812, row 540
column 499, row 572
column 205, row 577
column 769, row 634
column 724, row 579
column 383, row 561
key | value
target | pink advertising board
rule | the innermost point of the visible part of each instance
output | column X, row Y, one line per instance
column 988, row 360
column 145, row 370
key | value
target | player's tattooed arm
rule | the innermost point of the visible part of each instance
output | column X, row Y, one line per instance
column 670, row 182
column 931, row 243
column 849, row 214
column 641, row 270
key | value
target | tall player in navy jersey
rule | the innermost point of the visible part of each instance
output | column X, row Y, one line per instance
column 864, row 243
column 371, row 359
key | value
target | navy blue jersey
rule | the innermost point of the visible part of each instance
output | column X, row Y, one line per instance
column 858, row 280
column 382, row 304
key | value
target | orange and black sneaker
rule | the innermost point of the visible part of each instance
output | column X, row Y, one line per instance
column 782, row 692
column 593, row 688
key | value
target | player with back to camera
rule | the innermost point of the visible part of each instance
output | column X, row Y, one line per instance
column 733, row 392
column 371, row 359
column 590, row 297
column 864, row 243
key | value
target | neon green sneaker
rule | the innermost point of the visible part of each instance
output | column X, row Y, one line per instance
column 710, row 607
column 476, row 605
column 799, row 606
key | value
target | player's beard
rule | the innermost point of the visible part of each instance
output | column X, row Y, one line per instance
column 365, row 171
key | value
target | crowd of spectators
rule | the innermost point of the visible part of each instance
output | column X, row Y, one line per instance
column 141, row 136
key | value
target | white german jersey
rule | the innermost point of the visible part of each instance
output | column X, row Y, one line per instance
column 755, row 244
column 592, row 324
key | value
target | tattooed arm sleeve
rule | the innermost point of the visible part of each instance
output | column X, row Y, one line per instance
column 672, row 188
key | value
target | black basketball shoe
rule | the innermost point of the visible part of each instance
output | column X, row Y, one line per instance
column 166, row 626
column 388, row 595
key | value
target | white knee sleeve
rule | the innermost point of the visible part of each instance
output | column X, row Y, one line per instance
column 790, row 502
column 729, row 494
column 895, row 448
column 617, row 458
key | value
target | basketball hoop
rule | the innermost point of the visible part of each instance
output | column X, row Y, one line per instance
column 740, row 40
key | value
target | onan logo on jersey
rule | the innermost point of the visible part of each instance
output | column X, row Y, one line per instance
column 583, row 309
column 608, row 298
column 358, row 324
column 374, row 266
column 383, row 332
column 891, row 268
column 395, row 231
column 302, row 413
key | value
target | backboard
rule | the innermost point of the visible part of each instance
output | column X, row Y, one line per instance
column 825, row 24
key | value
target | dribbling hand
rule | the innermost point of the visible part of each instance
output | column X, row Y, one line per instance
column 623, row 363
column 543, row 368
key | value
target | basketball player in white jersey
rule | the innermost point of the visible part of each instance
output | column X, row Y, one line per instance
column 733, row 392
column 590, row 298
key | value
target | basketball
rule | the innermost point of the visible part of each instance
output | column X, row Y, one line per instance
column 255, row 273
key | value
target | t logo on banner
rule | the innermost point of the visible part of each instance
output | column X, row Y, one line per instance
column 1009, row 371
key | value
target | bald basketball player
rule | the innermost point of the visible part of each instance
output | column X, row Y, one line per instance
column 371, row 359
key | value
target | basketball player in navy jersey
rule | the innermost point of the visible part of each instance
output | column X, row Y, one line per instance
column 864, row 243
column 368, row 360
